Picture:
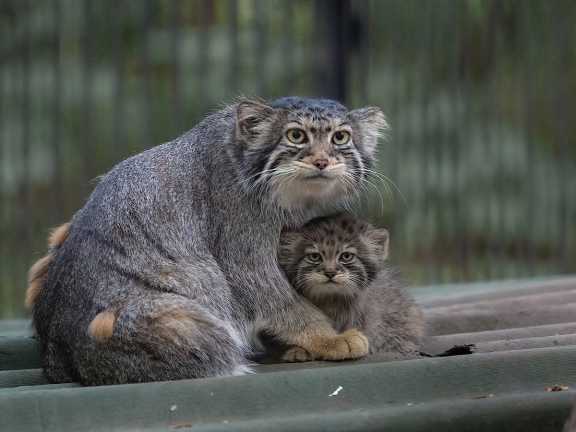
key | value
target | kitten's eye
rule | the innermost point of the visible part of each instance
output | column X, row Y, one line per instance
column 314, row 258
column 346, row 257
column 340, row 137
column 295, row 135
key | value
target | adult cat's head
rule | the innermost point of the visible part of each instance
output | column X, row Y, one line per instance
column 303, row 152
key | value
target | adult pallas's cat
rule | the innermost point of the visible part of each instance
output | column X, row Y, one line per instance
column 171, row 265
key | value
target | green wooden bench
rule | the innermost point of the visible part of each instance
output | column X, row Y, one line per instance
column 522, row 377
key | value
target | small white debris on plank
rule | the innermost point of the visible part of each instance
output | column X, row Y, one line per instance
column 335, row 392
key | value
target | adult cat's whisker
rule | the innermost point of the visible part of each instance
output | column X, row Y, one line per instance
column 387, row 180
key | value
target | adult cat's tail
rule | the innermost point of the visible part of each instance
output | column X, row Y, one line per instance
column 39, row 270
column 157, row 337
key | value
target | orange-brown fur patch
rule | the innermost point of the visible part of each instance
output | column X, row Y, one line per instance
column 102, row 326
column 297, row 354
column 348, row 345
column 36, row 277
column 59, row 235
column 39, row 270
column 176, row 325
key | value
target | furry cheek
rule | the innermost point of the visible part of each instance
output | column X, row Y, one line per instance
column 313, row 284
column 315, row 278
column 347, row 285
column 342, row 278
column 294, row 193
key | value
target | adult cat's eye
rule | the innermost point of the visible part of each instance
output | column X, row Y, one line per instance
column 314, row 257
column 346, row 257
column 296, row 136
column 340, row 137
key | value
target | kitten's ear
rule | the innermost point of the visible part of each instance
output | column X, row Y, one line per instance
column 371, row 124
column 253, row 118
column 289, row 241
column 379, row 240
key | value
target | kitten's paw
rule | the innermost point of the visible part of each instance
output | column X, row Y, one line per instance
column 297, row 354
column 349, row 345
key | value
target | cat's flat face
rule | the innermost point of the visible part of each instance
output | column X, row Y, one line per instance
column 336, row 256
column 303, row 151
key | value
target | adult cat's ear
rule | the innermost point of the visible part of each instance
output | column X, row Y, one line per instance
column 288, row 250
column 253, row 119
column 379, row 241
column 370, row 124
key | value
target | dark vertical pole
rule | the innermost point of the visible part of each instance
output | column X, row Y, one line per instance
column 528, row 105
column 4, row 204
column 148, row 106
column 457, row 172
column 234, row 73
column 26, row 98
column 564, row 125
column 118, row 55
column 57, row 175
column 332, row 53
column 23, row 212
column 10, row 241
column 87, row 82
column 177, row 107
column 261, row 48
column 203, row 62
column 288, row 44
column 362, row 29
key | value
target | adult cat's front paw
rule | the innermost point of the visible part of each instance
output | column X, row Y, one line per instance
column 297, row 354
column 348, row 345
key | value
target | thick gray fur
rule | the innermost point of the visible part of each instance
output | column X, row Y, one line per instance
column 191, row 229
column 366, row 293
column 389, row 318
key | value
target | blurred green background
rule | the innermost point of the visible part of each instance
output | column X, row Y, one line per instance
column 480, row 94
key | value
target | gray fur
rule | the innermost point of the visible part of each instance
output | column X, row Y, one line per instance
column 364, row 293
column 179, row 243
column 570, row 425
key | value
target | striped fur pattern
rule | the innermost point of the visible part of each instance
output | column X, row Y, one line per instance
column 170, row 267
column 339, row 264
column 289, row 168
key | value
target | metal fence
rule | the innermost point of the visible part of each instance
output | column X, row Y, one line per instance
column 480, row 94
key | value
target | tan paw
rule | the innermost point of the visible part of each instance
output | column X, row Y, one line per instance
column 297, row 354
column 349, row 345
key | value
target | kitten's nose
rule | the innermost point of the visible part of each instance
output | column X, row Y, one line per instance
column 320, row 163
column 330, row 274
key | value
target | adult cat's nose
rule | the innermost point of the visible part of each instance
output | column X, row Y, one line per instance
column 320, row 163
column 330, row 274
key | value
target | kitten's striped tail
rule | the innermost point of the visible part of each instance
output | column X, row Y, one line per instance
column 39, row 270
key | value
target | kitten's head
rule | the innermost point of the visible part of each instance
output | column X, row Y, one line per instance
column 334, row 256
column 304, row 152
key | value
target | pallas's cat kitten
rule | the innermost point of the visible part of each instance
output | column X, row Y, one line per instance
column 339, row 264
